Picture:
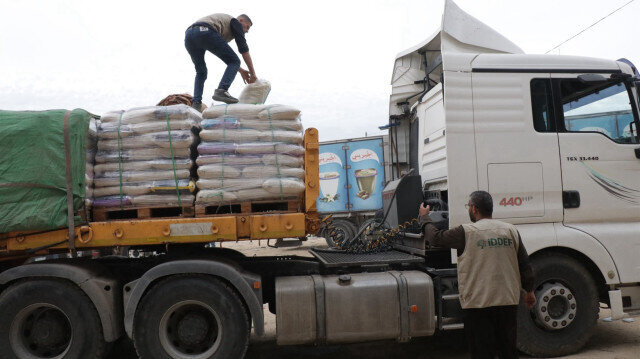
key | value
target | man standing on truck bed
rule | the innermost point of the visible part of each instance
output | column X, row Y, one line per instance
column 493, row 266
column 213, row 33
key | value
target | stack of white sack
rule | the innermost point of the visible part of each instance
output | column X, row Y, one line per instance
column 144, row 157
column 248, row 153
column 92, row 148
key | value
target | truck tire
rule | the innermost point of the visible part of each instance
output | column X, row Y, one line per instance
column 48, row 318
column 566, row 312
column 342, row 230
column 195, row 317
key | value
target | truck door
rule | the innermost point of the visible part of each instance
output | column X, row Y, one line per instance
column 598, row 137
column 517, row 150
column 366, row 174
column 333, row 179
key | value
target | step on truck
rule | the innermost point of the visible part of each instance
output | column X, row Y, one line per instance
column 553, row 139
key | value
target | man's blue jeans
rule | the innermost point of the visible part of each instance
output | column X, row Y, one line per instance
column 198, row 40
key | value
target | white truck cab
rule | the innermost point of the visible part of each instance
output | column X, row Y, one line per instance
column 554, row 139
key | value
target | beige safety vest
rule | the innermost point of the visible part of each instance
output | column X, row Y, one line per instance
column 222, row 24
column 488, row 273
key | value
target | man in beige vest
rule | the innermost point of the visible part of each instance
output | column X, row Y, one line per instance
column 212, row 33
column 493, row 267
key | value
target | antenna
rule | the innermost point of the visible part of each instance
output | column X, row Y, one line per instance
column 590, row 26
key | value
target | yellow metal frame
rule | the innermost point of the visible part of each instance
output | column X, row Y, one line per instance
column 311, row 179
column 188, row 230
column 161, row 231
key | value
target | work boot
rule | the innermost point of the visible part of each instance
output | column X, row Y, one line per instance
column 223, row 96
column 197, row 105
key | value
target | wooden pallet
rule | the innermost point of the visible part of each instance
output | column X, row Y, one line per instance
column 111, row 213
column 247, row 207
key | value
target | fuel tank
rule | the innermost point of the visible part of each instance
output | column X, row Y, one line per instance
column 354, row 307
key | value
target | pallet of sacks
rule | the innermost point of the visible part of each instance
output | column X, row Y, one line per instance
column 145, row 160
column 92, row 148
column 249, row 153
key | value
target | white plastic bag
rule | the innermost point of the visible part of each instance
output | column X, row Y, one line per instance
column 255, row 93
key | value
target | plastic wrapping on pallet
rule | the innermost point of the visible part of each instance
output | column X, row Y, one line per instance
column 107, row 179
column 257, row 171
column 219, row 197
column 145, row 156
column 179, row 139
column 141, row 154
column 152, row 113
column 252, row 148
column 262, row 112
column 228, row 159
column 233, row 122
column 169, row 200
column 233, row 160
column 130, row 166
column 90, row 158
column 110, row 130
column 250, row 135
column 250, row 153
column 224, row 135
column 285, row 185
column 139, row 188
column 279, row 112
column 239, row 110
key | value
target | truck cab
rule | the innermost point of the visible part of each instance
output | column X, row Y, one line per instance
column 554, row 140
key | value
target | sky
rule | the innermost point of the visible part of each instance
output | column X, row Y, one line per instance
column 331, row 59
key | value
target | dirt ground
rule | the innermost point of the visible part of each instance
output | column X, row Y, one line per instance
column 612, row 340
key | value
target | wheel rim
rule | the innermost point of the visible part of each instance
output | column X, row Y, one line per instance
column 190, row 329
column 40, row 330
column 556, row 306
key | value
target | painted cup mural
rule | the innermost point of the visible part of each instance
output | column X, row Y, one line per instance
column 329, row 186
column 366, row 179
column 351, row 176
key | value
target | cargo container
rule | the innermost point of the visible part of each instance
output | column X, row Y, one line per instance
column 353, row 173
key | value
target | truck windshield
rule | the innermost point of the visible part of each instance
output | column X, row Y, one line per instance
column 604, row 108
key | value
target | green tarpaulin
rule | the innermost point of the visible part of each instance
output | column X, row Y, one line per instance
column 33, row 183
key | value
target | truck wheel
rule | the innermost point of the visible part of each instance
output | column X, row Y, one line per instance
column 49, row 319
column 342, row 230
column 566, row 312
column 193, row 317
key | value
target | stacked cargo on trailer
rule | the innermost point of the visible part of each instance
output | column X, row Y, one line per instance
column 249, row 153
column 144, row 160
